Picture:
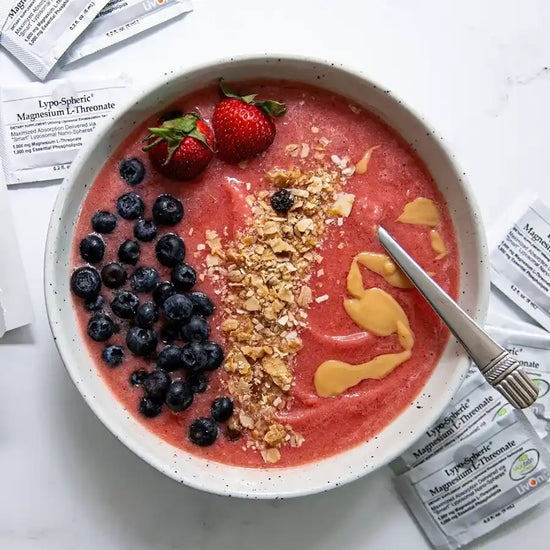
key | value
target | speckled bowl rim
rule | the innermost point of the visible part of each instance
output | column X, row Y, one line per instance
column 230, row 480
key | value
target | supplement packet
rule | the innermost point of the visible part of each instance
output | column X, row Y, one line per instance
column 15, row 302
column 5, row 7
column 39, row 32
column 43, row 125
column 122, row 19
column 477, row 404
column 532, row 351
column 520, row 263
column 467, row 491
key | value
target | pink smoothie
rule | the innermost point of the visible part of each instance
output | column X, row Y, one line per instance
column 215, row 201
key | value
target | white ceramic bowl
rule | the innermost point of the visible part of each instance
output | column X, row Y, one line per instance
column 265, row 483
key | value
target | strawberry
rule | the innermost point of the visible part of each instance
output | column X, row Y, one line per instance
column 244, row 127
column 181, row 148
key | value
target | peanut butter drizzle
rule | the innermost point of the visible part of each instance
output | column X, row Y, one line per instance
column 334, row 377
column 361, row 166
column 383, row 265
column 377, row 312
column 421, row 211
column 438, row 245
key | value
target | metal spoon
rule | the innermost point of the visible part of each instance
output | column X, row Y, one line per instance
column 498, row 367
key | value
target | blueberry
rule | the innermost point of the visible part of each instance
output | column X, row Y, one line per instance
column 100, row 327
column 129, row 252
column 141, row 341
column 163, row 292
column 170, row 115
column 177, row 308
column 132, row 171
column 145, row 230
column 103, row 222
column 92, row 248
column 138, row 376
column 148, row 408
column 147, row 315
column 169, row 333
column 95, row 304
column 203, row 432
column 222, row 409
column 170, row 250
column 184, row 277
column 156, row 385
column 167, row 210
column 130, row 206
column 113, row 275
column 193, row 357
column 198, row 382
column 169, row 358
column 202, row 304
column 86, row 282
column 282, row 200
column 113, row 355
column 214, row 353
column 145, row 279
column 195, row 330
column 179, row 396
column 125, row 304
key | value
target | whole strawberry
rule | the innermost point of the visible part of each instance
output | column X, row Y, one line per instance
column 244, row 127
column 181, row 148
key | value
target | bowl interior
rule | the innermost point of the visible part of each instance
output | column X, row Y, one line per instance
column 264, row 483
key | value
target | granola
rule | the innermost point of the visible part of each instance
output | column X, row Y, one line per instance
column 264, row 275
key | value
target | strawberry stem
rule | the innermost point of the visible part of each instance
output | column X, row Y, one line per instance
column 173, row 132
column 272, row 108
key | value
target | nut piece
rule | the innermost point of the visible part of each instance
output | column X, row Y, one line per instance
column 279, row 246
column 230, row 324
column 271, row 455
column 275, row 435
column 245, row 420
column 293, row 149
column 343, row 205
column 279, row 372
column 252, row 304
column 305, row 297
column 213, row 241
column 285, row 295
column 304, row 224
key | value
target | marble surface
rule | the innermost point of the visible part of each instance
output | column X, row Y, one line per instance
column 479, row 71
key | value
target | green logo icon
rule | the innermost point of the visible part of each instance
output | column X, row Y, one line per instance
column 524, row 464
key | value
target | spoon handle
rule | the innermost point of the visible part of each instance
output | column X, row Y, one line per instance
column 498, row 367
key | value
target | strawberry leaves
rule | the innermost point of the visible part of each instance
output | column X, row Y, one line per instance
column 272, row 108
column 173, row 132
column 269, row 106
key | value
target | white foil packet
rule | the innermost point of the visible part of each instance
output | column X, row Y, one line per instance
column 43, row 125
column 532, row 351
column 15, row 302
column 122, row 19
column 467, row 491
column 39, row 32
column 520, row 263
column 477, row 404
column 5, row 7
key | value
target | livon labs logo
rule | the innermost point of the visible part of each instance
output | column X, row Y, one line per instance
column 149, row 5
column 533, row 482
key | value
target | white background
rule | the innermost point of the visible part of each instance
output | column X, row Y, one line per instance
column 479, row 71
